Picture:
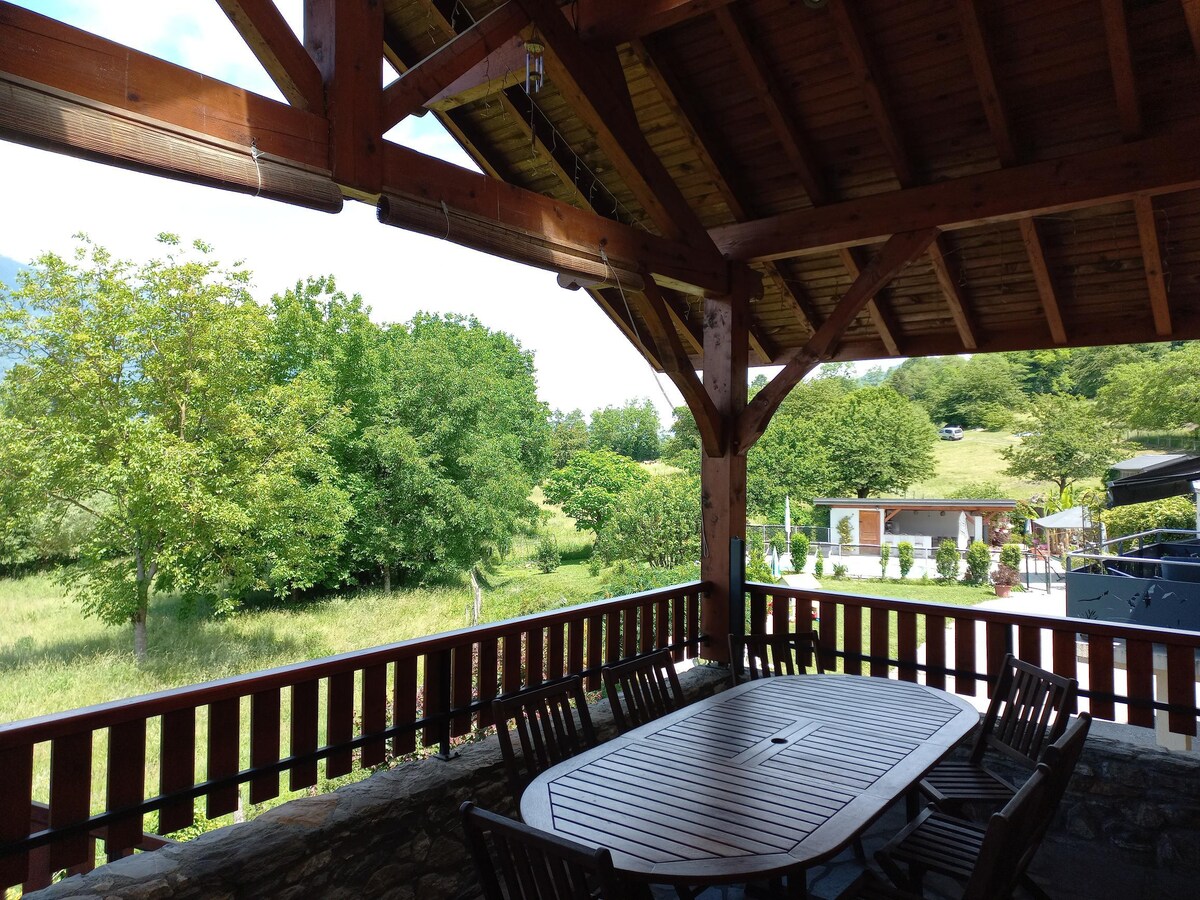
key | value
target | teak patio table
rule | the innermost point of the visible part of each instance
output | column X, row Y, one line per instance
column 769, row 777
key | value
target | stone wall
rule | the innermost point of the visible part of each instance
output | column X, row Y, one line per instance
column 395, row 835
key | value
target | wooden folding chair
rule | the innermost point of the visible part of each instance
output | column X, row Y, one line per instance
column 516, row 862
column 1028, row 711
column 763, row 655
column 544, row 720
column 643, row 689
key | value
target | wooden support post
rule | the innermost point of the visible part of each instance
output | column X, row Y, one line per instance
column 723, row 477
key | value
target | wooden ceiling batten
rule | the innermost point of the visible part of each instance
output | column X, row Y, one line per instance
column 1152, row 257
column 277, row 48
column 618, row 21
column 952, row 291
column 1116, row 33
column 1032, row 238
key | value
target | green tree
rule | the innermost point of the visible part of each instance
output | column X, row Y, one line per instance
column 885, row 551
column 1069, row 441
column 1090, row 368
column 878, row 442
column 139, row 396
column 982, row 392
column 1173, row 512
column 979, row 562
column 682, row 447
column 588, row 486
column 1156, row 393
column 946, row 560
column 568, row 435
column 630, row 430
column 905, row 556
column 656, row 522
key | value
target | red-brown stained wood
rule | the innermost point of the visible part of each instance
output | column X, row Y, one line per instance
column 880, row 643
column 595, row 647
column 513, row 658
column 998, row 638
column 461, row 687
column 935, row 651
column 1139, row 667
column 1152, row 259
column 1066, row 659
column 434, row 666
column 693, row 614
column 126, row 784
column 1181, row 688
column 404, row 705
column 268, row 35
column 303, row 732
column 1029, row 644
column 556, row 648
column 16, row 793
column 264, row 743
column 374, row 713
column 488, row 687
column 1100, row 676
column 781, row 608
column 964, row 656
column 629, row 631
column 851, row 637
column 612, row 636
column 647, row 632
column 758, row 613
column 534, row 657
column 906, row 640
column 828, row 628
column 1120, row 58
column 224, row 743
column 339, row 721
column 177, row 768
column 662, row 624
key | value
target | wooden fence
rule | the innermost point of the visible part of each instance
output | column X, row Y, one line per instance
column 351, row 710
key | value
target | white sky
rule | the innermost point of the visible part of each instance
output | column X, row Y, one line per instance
column 582, row 359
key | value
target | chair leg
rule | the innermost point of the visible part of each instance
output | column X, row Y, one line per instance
column 859, row 853
column 1034, row 888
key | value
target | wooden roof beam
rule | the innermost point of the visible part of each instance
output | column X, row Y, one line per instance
column 952, row 291
column 900, row 250
column 613, row 305
column 1120, row 58
column 1152, row 260
column 881, row 317
column 1041, row 277
column 503, row 68
column 277, row 48
column 1162, row 164
column 1191, row 11
column 979, row 53
column 618, row 21
column 783, row 122
column 465, row 51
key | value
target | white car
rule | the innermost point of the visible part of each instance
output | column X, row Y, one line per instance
column 950, row 433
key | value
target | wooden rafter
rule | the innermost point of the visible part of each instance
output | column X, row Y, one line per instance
column 900, row 250
column 1031, row 235
column 277, row 48
column 1191, row 11
column 618, row 21
column 1152, row 259
column 613, row 304
column 979, row 52
column 1156, row 165
column 502, row 69
column 425, row 80
column 1120, row 58
column 881, row 316
column 952, row 291
column 783, row 122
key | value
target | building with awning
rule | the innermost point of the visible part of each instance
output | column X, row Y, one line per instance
column 923, row 523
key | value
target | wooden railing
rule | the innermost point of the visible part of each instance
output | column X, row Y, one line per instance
column 963, row 646
column 368, row 704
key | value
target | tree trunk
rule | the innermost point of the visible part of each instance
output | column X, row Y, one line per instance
column 143, row 604
column 477, row 596
column 387, row 579
column 139, row 634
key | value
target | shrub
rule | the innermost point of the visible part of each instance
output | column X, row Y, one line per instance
column 547, row 556
column 1174, row 512
column 906, row 556
column 947, row 560
column 844, row 529
column 756, row 567
column 799, row 551
column 979, row 561
column 1006, row 575
column 1010, row 555
column 840, row 572
column 819, row 565
column 594, row 566
column 885, row 551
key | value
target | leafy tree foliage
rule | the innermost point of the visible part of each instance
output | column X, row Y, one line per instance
column 682, row 448
column 630, row 430
column 1173, row 512
column 141, row 398
column 979, row 561
column 1162, row 393
column 878, row 442
column 1069, row 441
column 656, row 522
column 905, row 555
column 568, row 435
column 982, row 392
column 587, row 488
column 946, row 560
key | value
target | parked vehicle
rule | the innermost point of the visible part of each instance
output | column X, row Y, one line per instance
column 950, row 433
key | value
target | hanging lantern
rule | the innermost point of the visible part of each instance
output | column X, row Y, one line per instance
column 535, row 65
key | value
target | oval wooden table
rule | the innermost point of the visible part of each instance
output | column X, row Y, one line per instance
column 767, row 778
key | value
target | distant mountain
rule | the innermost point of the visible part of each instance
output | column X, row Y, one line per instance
column 9, row 269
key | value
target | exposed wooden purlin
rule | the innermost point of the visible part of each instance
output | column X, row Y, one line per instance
column 503, row 68
column 1163, row 164
column 1120, row 58
column 617, row 21
column 1152, row 259
column 881, row 317
column 613, row 305
column 430, row 76
column 277, row 48
column 515, row 104
column 688, row 325
column 1191, row 11
column 900, row 250
column 593, row 86
column 345, row 39
column 979, row 52
column 863, row 64
column 1031, row 235
column 783, row 122
column 952, row 291
column 657, row 316
column 688, row 121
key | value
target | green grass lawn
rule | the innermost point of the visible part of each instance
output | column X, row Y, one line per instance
column 973, row 459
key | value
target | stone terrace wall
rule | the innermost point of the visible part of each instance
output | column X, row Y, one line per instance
column 395, row 835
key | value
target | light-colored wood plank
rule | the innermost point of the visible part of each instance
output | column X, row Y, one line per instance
column 277, row 48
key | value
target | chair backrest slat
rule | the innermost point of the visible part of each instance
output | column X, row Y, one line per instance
column 544, row 720
column 1029, row 710
column 1009, row 841
column 643, row 689
column 785, row 653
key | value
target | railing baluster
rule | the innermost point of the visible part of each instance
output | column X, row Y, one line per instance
column 662, row 624
column 678, row 628
column 488, row 665
column 339, row 722
column 780, row 608
column 461, row 687
column 881, row 639
column 693, row 628
column 575, row 646
column 303, row 737
column 70, row 796
column 629, row 631
column 1066, row 658
column 1139, row 668
column 595, row 651
column 177, row 768
column 264, row 743
column 224, row 726
column 126, row 785
column 646, row 627
column 16, row 778
column 557, row 649
column 1029, row 643
column 512, row 677
column 612, row 636
column 534, row 657
column 906, row 640
column 374, row 714
column 404, row 704
column 964, row 655
column 828, row 635
column 998, row 639
column 1100, row 676
column 1181, row 687
column 758, row 613
column 935, row 651
column 852, row 638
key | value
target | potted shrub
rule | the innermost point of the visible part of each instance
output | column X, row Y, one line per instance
column 1004, row 578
